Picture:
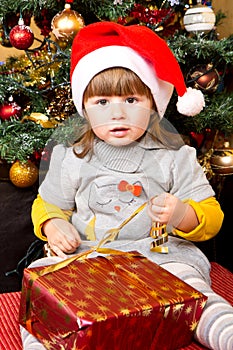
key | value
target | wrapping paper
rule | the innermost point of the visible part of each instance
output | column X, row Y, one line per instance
column 116, row 301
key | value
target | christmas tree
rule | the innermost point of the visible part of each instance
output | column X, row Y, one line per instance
column 35, row 94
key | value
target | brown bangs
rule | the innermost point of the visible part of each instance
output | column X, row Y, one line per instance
column 116, row 82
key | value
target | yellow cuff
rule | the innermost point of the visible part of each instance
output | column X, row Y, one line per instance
column 210, row 217
column 43, row 211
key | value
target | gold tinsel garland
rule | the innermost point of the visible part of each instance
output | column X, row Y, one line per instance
column 33, row 69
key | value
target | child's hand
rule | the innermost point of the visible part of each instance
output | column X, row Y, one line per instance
column 167, row 209
column 62, row 236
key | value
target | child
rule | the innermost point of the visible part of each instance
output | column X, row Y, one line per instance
column 128, row 169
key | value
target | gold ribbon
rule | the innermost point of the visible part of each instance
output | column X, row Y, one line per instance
column 111, row 234
column 55, row 267
column 157, row 232
column 160, row 235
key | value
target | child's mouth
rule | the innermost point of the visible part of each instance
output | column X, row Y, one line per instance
column 119, row 131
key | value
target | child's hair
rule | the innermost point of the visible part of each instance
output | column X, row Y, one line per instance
column 119, row 81
column 116, row 81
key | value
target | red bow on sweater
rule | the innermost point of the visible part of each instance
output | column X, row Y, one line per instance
column 125, row 186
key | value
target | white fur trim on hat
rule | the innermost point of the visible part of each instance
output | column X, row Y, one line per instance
column 119, row 56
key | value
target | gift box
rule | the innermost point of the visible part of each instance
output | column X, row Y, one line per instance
column 116, row 301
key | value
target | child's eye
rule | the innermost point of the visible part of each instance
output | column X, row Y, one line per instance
column 102, row 102
column 131, row 100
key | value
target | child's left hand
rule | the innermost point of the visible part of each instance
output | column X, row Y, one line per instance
column 167, row 209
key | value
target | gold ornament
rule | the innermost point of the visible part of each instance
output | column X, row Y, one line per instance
column 23, row 174
column 222, row 161
column 66, row 24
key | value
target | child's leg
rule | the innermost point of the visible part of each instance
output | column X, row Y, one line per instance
column 30, row 342
column 215, row 329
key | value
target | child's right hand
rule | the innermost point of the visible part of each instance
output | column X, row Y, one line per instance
column 62, row 236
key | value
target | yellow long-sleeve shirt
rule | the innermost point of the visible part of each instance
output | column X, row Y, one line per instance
column 208, row 211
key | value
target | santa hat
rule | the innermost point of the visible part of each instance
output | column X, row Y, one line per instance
column 103, row 45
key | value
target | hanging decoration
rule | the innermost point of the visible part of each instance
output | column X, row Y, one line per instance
column 204, row 77
column 164, row 21
column 10, row 109
column 152, row 15
column 21, row 36
column 23, row 174
column 199, row 18
column 221, row 161
column 66, row 24
column 8, row 22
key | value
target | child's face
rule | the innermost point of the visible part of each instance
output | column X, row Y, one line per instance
column 118, row 120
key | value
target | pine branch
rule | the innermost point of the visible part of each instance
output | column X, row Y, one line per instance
column 20, row 140
column 217, row 115
column 197, row 48
column 31, row 6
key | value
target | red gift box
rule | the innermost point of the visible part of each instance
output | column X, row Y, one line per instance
column 109, row 302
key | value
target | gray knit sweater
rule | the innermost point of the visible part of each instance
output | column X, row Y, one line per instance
column 109, row 187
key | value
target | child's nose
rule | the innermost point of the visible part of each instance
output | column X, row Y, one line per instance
column 117, row 110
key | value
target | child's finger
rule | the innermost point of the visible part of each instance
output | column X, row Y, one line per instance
column 58, row 252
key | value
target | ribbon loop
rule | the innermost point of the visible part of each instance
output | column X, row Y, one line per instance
column 160, row 235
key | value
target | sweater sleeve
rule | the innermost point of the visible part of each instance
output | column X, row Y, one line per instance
column 210, row 217
column 43, row 211
column 58, row 186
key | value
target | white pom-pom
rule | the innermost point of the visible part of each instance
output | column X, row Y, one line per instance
column 191, row 103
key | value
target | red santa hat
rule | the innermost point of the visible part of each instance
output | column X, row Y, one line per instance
column 103, row 45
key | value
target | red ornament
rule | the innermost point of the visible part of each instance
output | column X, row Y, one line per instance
column 9, row 21
column 204, row 77
column 21, row 36
column 9, row 109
